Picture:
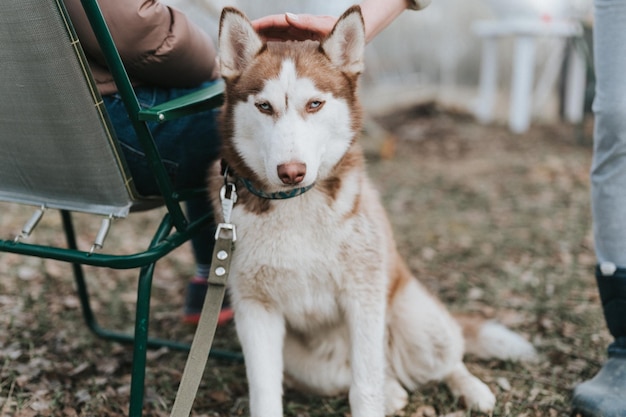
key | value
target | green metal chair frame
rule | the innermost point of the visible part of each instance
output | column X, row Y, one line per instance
column 174, row 229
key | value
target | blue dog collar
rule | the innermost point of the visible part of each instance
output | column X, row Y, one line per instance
column 279, row 195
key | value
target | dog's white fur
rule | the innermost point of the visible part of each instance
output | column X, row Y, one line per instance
column 321, row 296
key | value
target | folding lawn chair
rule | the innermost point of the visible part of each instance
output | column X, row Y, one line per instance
column 59, row 151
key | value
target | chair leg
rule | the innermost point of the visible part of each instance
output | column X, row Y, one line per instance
column 79, row 275
column 142, row 317
column 140, row 338
column 81, row 286
column 83, row 295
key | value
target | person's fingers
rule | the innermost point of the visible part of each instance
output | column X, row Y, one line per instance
column 271, row 22
column 291, row 26
column 318, row 25
column 275, row 28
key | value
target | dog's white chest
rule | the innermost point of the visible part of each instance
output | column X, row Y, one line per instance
column 295, row 261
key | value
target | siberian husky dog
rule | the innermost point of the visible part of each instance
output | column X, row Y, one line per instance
column 322, row 299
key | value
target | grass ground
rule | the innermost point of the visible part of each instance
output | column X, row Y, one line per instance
column 492, row 223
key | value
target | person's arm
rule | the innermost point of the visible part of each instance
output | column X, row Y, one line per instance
column 377, row 14
column 159, row 45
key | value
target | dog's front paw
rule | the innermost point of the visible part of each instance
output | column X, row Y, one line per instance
column 479, row 397
column 396, row 397
column 475, row 394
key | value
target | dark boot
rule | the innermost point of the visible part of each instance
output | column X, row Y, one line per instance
column 604, row 394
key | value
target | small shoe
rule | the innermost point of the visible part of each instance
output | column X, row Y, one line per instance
column 194, row 300
column 603, row 395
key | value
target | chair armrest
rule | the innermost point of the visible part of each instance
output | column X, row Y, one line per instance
column 205, row 99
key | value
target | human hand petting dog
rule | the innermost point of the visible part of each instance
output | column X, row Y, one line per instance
column 297, row 27
column 377, row 15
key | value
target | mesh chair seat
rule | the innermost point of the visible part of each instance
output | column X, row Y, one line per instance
column 58, row 147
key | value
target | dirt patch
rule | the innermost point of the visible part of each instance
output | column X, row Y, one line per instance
column 493, row 223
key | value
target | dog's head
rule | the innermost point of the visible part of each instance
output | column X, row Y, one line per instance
column 291, row 110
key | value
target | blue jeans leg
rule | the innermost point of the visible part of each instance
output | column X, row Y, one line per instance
column 608, row 174
column 187, row 146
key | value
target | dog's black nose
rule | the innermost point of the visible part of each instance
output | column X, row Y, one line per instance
column 291, row 173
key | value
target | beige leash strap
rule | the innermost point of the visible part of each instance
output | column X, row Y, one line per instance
column 202, row 340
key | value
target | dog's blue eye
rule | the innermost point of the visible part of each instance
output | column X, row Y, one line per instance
column 264, row 107
column 314, row 105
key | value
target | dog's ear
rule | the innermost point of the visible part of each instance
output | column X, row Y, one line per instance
column 238, row 42
column 345, row 45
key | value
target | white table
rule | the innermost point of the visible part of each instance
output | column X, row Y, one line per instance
column 525, row 33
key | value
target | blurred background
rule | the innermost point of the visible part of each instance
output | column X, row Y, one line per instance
column 435, row 54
